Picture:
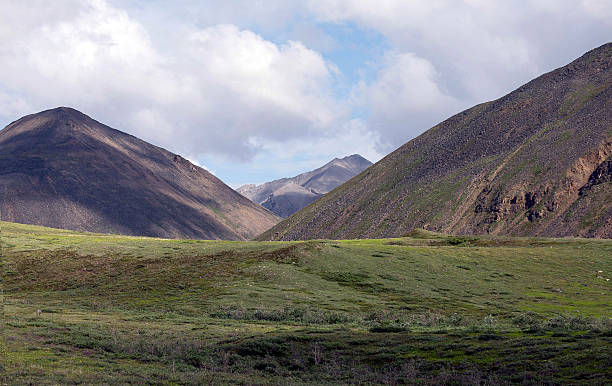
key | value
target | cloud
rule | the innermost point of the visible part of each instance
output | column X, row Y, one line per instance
column 353, row 136
column 599, row 9
column 405, row 98
column 446, row 55
column 236, row 80
column 276, row 159
column 482, row 49
column 12, row 106
column 93, row 56
column 289, row 78
column 218, row 87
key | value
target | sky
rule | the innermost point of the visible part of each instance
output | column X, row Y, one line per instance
column 255, row 90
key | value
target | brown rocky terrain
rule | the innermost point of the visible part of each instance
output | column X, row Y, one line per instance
column 536, row 162
column 62, row 169
column 286, row 196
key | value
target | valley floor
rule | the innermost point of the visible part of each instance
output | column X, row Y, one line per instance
column 424, row 309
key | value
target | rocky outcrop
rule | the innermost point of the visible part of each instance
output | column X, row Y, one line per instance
column 601, row 175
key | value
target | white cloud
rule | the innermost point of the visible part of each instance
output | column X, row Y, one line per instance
column 446, row 55
column 353, row 136
column 241, row 79
column 276, row 159
column 95, row 58
column 468, row 41
column 599, row 9
column 12, row 106
column 218, row 86
column 406, row 99
column 290, row 77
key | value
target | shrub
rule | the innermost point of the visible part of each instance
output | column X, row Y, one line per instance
column 289, row 314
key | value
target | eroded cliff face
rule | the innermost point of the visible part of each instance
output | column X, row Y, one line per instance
column 601, row 175
column 534, row 162
column 499, row 209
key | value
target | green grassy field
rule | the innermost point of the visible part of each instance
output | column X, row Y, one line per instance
column 425, row 309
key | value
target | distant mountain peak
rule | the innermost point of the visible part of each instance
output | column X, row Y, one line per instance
column 61, row 114
column 287, row 195
column 52, row 122
column 354, row 156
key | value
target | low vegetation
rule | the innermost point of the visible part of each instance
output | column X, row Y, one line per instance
column 425, row 308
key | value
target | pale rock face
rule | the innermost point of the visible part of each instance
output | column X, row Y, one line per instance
column 288, row 195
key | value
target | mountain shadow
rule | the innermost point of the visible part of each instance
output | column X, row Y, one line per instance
column 62, row 169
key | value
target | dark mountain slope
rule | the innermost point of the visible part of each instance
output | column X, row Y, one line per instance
column 60, row 168
column 286, row 196
column 534, row 162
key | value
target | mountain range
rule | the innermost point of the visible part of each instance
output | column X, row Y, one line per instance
column 61, row 168
column 286, row 196
column 536, row 162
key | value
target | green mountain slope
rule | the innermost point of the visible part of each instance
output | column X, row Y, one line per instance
column 428, row 309
column 534, row 162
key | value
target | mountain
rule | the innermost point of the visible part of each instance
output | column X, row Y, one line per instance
column 288, row 195
column 62, row 169
column 536, row 162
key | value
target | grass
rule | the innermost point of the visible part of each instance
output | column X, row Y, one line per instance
column 426, row 308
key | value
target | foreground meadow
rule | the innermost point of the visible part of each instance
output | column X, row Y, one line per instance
column 426, row 308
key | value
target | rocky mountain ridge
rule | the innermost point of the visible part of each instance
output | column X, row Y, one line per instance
column 535, row 162
column 286, row 196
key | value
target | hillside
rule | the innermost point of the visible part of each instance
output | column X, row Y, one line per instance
column 62, row 169
column 426, row 309
column 286, row 196
column 534, row 162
